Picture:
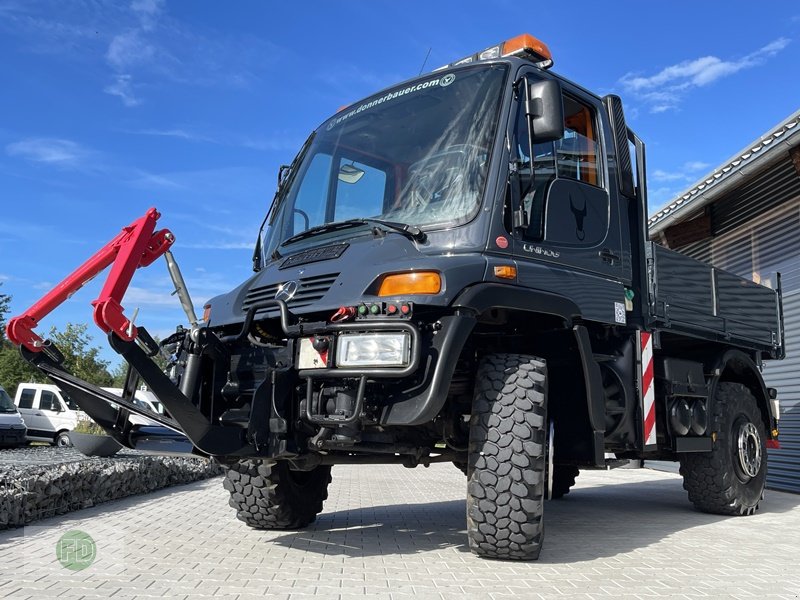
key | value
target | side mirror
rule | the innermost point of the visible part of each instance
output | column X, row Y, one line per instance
column 545, row 110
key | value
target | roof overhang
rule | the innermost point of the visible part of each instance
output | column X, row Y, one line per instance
column 752, row 159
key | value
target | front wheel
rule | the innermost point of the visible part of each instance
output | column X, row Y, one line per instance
column 730, row 479
column 269, row 495
column 62, row 440
column 507, row 447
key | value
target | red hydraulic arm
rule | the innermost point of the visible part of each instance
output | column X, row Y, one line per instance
column 137, row 245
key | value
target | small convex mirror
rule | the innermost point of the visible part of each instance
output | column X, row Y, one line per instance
column 350, row 173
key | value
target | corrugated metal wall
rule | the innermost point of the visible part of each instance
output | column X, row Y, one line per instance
column 756, row 230
column 784, row 464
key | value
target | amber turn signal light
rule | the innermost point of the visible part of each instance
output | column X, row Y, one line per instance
column 418, row 282
column 505, row 272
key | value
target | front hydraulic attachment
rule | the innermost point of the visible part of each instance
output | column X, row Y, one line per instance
column 138, row 245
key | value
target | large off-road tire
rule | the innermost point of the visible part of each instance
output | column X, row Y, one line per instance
column 730, row 479
column 563, row 479
column 507, row 446
column 268, row 495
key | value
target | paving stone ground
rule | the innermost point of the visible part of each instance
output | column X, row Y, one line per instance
column 396, row 534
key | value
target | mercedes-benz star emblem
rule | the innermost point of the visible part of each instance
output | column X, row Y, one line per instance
column 287, row 290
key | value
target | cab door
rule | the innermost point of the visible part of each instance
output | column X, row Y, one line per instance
column 51, row 412
column 571, row 221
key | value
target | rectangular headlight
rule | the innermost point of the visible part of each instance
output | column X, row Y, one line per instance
column 373, row 350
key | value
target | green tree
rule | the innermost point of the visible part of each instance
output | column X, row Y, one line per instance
column 81, row 359
column 5, row 300
column 13, row 369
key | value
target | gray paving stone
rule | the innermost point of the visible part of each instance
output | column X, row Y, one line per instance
column 396, row 534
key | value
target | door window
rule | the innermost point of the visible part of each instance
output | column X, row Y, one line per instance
column 26, row 398
column 578, row 149
column 49, row 401
column 561, row 191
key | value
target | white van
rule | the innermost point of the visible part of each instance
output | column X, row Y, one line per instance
column 48, row 412
column 143, row 399
column 12, row 427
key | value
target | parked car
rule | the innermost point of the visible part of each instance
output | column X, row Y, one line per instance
column 48, row 412
column 12, row 427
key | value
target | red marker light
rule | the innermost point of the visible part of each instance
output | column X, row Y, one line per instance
column 405, row 309
column 501, row 241
column 391, row 309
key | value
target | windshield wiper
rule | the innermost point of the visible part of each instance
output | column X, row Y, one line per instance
column 410, row 231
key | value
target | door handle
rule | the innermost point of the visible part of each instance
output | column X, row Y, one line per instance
column 38, row 414
column 608, row 256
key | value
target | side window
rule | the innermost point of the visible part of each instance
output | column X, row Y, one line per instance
column 555, row 207
column 26, row 398
column 578, row 150
column 360, row 190
column 48, row 401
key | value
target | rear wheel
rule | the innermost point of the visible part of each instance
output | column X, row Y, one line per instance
column 730, row 479
column 506, row 484
column 269, row 495
column 563, row 479
column 62, row 440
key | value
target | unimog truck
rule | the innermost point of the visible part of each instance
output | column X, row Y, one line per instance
column 456, row 269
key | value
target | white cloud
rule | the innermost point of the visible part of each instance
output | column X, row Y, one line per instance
column 128, row 50
column 686, row 172
column 659, row 175
column 279, row 142
column 137, row 296
column 53, row 151
column 147, row 11
column 123, row 87
column 183, row 134
column 665, row 90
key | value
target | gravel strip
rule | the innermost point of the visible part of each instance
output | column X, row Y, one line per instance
column 40, row 481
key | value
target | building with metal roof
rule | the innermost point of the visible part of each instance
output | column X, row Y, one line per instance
column 744, row 217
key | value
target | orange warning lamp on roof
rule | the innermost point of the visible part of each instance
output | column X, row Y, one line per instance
column 524, row 46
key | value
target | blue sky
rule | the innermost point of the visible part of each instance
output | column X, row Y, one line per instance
column 109, row 108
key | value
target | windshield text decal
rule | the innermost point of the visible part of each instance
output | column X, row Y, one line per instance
column 443, row 81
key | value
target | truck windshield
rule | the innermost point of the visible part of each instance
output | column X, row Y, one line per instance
column 414, row 155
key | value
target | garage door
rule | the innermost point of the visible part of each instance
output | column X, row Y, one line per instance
column 784, row 464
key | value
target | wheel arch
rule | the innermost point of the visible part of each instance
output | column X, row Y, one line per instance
column 556, row 335
column 735, row 366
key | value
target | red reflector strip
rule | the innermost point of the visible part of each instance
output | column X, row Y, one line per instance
column 648, row 394
column 774, row 444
